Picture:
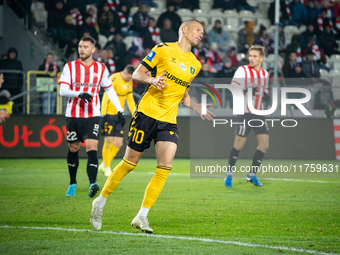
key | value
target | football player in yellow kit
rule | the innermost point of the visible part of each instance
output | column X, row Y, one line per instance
column 172, row 67
column 112, row 130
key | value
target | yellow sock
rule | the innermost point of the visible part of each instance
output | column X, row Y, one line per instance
column 117, row 175
column 114, row 151
column 155, row 186
column 106, row 153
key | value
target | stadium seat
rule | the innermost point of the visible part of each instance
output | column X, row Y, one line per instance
column 102, row 40
column 246, row 14
column 233, row 22
column 133, row 10
column 197, row 13
column 232, row 32
column 40, row 17
column 302, row 28
column 202, row 19
column 336, row 65
column 206, row 6
column 213, row 19
column 291, row 30
column 161, row 5
column 240, row 56
column 184, row 12
column 230, row 13
column 324, row 73
column 335, row 58
column 264, row 21
column 216, row 14
column 234, row 44
column 128, row 41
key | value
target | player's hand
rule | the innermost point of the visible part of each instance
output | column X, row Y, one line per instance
column 86, row 97
column 121, row 118
column 208, row 116
column 3, row 116
column 159, row 82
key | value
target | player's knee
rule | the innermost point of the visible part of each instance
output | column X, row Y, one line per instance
column 74, row 147
column 264, row 146
column 118, row 144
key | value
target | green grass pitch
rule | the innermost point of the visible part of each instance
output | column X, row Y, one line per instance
column 191, row 216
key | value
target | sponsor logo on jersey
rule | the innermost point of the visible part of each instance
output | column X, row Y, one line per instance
column 183, row 66
column 87, row 84
column 151, row 55
column 177, row 80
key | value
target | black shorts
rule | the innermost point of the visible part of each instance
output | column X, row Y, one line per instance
column 80, row 129
column 111, row 126
column 143, row 129
column 257, row 122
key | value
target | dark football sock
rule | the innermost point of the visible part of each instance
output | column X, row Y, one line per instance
column 257, row 160
column 92, row 166
column 232, row 159
column 72, row 162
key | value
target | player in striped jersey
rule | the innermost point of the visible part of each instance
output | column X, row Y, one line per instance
column 81, row 81
column 252, row 75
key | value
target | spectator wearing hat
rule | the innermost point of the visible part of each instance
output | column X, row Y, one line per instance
column 108, row 21
column 170, row 14
column 218, row 35
column 88, row 27
column 312, row 11
column 118, row 47
column 328, row 42
column 231, row 54
column 283, row 39
column 224, row 4
column 68, row 36
column 305, row 36
column 13, row 82
column 323, row 20
column 298, row 12
column 264, row 39
column 310, row 67
column 214, row 56
column 55, row 16
column 246, row 37
column 227, row 72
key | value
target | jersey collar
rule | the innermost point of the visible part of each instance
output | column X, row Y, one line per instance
column 85, row 65
column 251, row 68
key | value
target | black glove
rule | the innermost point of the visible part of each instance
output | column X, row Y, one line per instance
column 86, row 97
column 121, row 118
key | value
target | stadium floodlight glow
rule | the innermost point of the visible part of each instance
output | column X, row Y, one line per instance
column 238, row 100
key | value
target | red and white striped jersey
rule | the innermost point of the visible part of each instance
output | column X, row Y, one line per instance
column 88, row 79
column 246, row 76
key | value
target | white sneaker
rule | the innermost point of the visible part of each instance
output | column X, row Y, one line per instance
column 108, row 172
column 142, row 223
column 96, row 217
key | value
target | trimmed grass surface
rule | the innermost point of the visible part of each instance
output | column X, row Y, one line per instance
column 300, row 215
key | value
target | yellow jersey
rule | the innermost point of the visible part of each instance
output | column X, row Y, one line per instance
column 181, row 67
column 123, row 90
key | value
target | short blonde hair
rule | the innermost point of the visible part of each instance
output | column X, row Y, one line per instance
column 259, row 48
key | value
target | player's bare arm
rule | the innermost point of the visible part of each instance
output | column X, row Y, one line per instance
column 141, row 75
column 186, row 101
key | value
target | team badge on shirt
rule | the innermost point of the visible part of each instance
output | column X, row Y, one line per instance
column 192, row 70
column 151, row 56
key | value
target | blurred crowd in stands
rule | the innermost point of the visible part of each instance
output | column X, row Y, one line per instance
column 303, row 53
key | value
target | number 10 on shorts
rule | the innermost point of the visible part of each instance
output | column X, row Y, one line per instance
column 138, row 135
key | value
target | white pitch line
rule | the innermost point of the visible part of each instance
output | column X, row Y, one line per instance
column 207, row 240
column 273, row 179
